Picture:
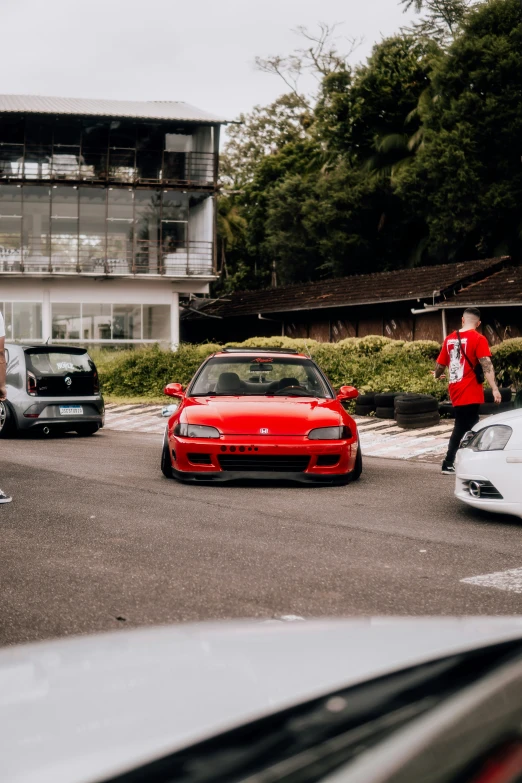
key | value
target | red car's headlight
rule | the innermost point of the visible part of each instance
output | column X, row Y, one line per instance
column 330, row 433
column 196, row 431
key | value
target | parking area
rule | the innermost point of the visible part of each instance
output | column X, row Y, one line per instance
column 97, row 539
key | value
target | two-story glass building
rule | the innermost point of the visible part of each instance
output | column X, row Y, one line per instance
column 107, row 215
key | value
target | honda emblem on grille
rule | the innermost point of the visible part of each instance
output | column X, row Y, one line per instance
column 263, row 431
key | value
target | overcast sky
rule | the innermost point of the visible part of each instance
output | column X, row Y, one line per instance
column 199, row 51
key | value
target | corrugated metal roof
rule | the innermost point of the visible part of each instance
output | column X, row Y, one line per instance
column 150, row 110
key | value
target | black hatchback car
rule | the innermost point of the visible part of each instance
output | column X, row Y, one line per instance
column 51, row 387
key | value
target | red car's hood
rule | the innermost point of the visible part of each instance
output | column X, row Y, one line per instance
column 247, row 415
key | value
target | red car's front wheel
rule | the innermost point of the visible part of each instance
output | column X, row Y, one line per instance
column 166, row 464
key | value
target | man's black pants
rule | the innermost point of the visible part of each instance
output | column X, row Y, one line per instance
column 466, row 416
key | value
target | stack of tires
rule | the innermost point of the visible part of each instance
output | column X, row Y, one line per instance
column 365, row 404
column 384, row 405
column 416, row 411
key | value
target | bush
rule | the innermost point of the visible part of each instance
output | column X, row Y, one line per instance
column 369, row 363
column 507, row 358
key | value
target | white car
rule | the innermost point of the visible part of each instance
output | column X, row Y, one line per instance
column 489, row 465
column 368, row 700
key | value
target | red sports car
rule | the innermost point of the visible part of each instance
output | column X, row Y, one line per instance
column 262, row 414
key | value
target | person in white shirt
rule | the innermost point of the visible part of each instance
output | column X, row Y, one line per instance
column 3, row 391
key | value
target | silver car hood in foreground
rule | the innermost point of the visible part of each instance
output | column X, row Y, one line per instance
column 85, row 709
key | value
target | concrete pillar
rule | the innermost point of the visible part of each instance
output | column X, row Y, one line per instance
column 174, row 321
column 46, row 316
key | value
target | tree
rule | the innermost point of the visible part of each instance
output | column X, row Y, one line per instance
column 442, row 19
column 466, row 182
column 262, row 132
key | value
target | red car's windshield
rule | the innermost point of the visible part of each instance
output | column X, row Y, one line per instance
column 260, row 375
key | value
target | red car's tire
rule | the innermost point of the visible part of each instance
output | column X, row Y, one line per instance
column 166, row 464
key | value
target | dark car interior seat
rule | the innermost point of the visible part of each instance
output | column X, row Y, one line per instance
column 229, row 383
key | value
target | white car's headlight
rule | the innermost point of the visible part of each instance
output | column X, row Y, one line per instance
column 196, row 431
column 494, row 438
column 330, row 433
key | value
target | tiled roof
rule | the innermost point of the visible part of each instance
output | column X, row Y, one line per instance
column 404, row 284
column 503, row 287
column 150, row 110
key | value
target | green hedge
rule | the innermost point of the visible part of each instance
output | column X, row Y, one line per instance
column 369, row 363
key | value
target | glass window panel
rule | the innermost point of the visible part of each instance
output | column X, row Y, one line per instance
column 148, row 165
column 11, row 160
column 27, row 321
column 178, row 142
column 120, row 230
column 175, row 167
column 122, row 133
column 37, row 164
column 126, row 322
column 10, row 244
column 39, row 129
column 64, row 201
column 36, row 226
column 67, row 132
column 150, row 136
column 95, row 143
column 8, row 319
column 66, row 321
column 122, row 165
column 12, row 129
column 10, row 200
column 64, row 227
column 156, row 322
column 147, row 226
column 96, row 322
column 175, row 205
column 93, row 224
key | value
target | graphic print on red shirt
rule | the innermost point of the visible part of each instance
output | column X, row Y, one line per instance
column 464, row 389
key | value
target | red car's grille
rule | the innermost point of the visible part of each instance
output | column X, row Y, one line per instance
column 257, row 462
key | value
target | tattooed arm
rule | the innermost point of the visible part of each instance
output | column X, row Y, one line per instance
column 489, row 372
column 439, row 371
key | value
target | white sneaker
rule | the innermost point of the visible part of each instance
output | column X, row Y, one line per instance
column 4, row 498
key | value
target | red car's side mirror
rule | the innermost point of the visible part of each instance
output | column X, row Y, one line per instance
column 347, row 393
column 173, row 390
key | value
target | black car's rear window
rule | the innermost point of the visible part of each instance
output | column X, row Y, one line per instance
column 46, row 362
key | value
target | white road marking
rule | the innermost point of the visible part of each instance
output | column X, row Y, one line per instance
column 501, row 580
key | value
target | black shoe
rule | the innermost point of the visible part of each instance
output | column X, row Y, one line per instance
column 4, row 498
column 448, row 468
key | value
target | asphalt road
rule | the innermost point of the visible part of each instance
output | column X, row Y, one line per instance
column 97, row 539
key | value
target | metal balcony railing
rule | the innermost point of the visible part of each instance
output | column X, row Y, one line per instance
column 114, row 166
column 180, row 259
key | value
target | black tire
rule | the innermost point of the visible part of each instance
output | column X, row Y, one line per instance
column 84, row 430
column 416, row 403
column 385, row 413
column 166, row 464
column 447, row 409
column 364, row 410
column 418, row 421
column 385, row 399
column 490, row 408
column 7, row 421
column 356, row 472
column 505, row 393
column 368, row 398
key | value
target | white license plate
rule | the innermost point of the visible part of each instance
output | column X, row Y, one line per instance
column 71, row 410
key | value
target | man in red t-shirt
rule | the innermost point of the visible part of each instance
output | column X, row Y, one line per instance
column 466, row 393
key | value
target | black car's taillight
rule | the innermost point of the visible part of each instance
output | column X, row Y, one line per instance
column 32, row 386
column 96, row 383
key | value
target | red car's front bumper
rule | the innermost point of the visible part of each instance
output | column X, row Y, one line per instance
column 243, row 457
